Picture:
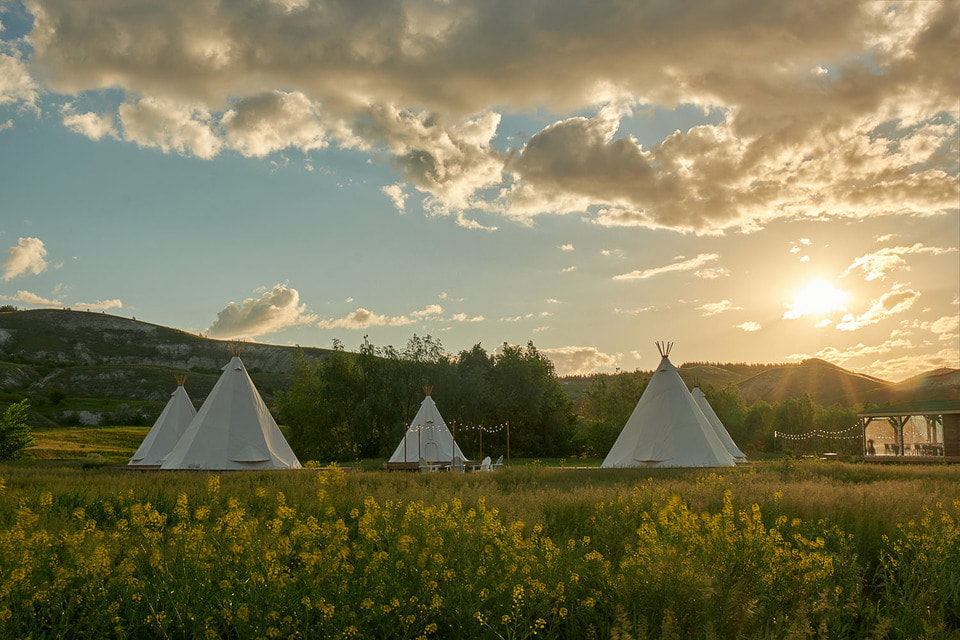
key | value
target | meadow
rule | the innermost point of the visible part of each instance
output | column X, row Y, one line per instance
column 785, row 549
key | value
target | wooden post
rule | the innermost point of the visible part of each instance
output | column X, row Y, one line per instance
column 900, row 421
column 951, row 435
column 508, row 443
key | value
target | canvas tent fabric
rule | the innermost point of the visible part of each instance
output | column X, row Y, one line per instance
column 233, row 430
column 717, row 425
column 427, row 437
column 166, row 431
column 667, row 429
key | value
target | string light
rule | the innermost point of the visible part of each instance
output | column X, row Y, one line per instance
column 494, row 429
column 833, row 435
column 416, row 428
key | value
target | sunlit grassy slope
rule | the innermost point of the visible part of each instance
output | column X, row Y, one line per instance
column 111, row 444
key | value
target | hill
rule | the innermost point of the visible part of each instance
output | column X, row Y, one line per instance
column 940, row 384
column 825, row 383
column 94, row 367
column 88, row 364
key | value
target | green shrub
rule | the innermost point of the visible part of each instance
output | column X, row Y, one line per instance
column 14, row 431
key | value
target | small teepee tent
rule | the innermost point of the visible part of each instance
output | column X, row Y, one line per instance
column 427, row 437
column 166, row 431
column 718, row 427
column 667, row 428
column 233, row 429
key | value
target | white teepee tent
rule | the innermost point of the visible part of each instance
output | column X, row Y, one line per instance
column 166, row 431
column 667, row 428
column 233, row 430
column 718, row 427
column 427, row 437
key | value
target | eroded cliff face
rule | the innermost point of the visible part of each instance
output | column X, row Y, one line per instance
column 95, row 355
column 84, row 338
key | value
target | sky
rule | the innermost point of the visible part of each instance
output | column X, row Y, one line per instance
column 754, row 181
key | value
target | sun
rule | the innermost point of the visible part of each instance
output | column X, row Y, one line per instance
column 817, row 299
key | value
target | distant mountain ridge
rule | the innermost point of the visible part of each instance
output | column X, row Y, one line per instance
column 53, row 353
column 825, row 383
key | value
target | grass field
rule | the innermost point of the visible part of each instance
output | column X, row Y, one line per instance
column 783, row 549
column 106, row 444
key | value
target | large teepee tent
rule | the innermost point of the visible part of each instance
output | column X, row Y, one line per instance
column 427, row 437
column 717, row 425
column 166, row 431
column 233, row 429
column 667, row 428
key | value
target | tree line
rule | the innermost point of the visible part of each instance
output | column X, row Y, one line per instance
column 348, row 406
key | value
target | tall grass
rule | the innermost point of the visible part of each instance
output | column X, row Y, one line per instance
column 775, row 550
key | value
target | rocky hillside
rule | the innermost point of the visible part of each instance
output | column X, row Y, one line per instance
column 92, row 364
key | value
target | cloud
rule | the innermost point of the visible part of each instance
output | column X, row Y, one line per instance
column 90, row 125
column 712, row 274
column 898, row 300
column 835, row 109
column 169, row 126
column 362, row 319
column 566, row 247
column 276, row 309
column 259, row 125
column 462, row 317
column 713, row 308
column 633, row 312
column 28, row 256
column 879, row 264
column 429, row 310
column 680, row 264
column 103, row 305
column 568, row 269
column 946, row 328
column 467, row 223
column 578, row 361
column 749, row 326
column 17, row 87
column 32, row 299
column 525, row 316
column 396, row 195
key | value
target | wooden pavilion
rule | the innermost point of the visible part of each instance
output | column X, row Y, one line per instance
column 912, row 432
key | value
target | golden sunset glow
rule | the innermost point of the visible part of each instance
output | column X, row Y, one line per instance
column 817, row 299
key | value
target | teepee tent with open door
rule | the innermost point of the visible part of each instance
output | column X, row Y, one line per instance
column 717, row 425
column 667, row 428
column 427, row 437
column 166, row 431
column 233, row 429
